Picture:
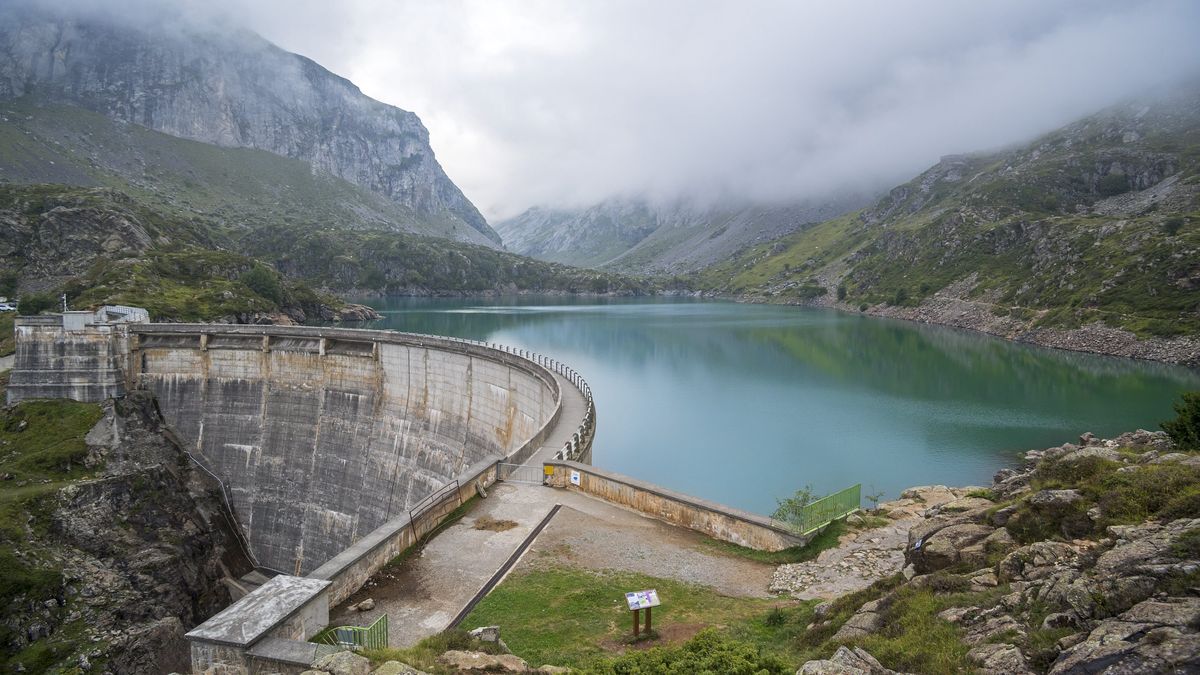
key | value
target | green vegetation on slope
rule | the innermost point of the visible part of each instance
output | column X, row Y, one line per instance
column 8, row 342
column 41, row 450
column 1099, row 221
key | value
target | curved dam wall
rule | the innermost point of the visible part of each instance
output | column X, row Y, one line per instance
column 321, row 435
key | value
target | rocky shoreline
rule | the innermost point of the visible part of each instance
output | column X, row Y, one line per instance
column 948, row 308
column 1046, row 570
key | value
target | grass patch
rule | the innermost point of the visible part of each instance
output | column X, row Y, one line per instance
column 8, row 342
column 825, row 539
column 424, row 654
column 577, row 618
column 43, row 440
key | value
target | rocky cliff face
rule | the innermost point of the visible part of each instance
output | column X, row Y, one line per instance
column 229, row 89
column 126, row 556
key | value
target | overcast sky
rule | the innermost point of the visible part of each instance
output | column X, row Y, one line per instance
column 565, row 102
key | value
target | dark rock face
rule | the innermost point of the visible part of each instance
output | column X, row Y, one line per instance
column 229, row 88
column 143, row 550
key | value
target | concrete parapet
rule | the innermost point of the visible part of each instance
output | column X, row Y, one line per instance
column 715, row 520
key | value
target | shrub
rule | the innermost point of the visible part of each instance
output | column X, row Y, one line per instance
column 708, row 652
column 900, row 297
column 841, row 292
column 1171, row 225
column 265, row 283
column 791, row 510
column 36, row 303
column 1185, row 428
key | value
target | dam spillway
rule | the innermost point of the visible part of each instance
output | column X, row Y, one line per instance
column 321, row 435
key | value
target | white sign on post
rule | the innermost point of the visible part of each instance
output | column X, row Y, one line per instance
column 574, row 477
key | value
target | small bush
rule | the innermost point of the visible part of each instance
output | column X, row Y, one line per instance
column 841, row 292
column 36, row 303
column 265, row 283
column 1172, row 225
column 708, row 652
column 1185, row 428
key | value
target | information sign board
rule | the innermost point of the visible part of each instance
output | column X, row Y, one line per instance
column 642, row 599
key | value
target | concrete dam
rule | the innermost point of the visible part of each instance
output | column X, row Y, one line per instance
column 323, row 435
column 318, row 435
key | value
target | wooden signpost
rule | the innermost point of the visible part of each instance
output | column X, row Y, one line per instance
column 639, row 600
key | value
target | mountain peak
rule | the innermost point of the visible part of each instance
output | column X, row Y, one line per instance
column 233, row 89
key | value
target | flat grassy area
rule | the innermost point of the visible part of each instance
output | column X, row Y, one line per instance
column 575, row 618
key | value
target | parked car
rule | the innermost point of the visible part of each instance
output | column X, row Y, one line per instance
column 7, row 307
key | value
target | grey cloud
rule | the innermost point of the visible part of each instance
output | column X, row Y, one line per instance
column 568, row 103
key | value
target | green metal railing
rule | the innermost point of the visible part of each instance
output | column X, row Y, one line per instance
column 374, row 636
column 827, row 509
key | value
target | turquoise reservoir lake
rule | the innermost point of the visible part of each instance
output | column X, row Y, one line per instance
column 743, row 404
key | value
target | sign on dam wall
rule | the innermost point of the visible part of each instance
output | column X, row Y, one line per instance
column 322, row 435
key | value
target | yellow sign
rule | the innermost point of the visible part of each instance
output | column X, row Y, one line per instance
column 547, row 470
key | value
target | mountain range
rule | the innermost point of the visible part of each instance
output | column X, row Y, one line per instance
column 641, row 236
column 1096, row 224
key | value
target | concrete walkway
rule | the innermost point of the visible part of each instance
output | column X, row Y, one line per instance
column 424, row 593
column 573, row 410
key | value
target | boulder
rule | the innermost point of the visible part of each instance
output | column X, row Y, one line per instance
column 343, row 663
column 1034, row 561
column 486, row 633
column 1155, row 636
column 478, row 662
column 1109, row 454
column 365, row 606
column 865, row 621
column 846, row 661
column 999, row 659
column 999, row 541
column 944, row 547
column 397, row 668
column 966, row 504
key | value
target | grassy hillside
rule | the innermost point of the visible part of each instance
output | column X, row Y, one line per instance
column 101, row 246
column 1097, row 221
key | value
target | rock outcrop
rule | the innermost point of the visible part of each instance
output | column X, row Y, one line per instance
column 1084, row 560
column 142, row 550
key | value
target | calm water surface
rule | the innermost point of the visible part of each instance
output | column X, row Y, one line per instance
column 742, row 404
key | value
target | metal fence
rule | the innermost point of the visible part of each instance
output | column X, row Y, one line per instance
column 374, row 636
column 520, row 473
column 828, row 509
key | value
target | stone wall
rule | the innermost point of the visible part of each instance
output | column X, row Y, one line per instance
column 323, row 435
column 715, row 520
